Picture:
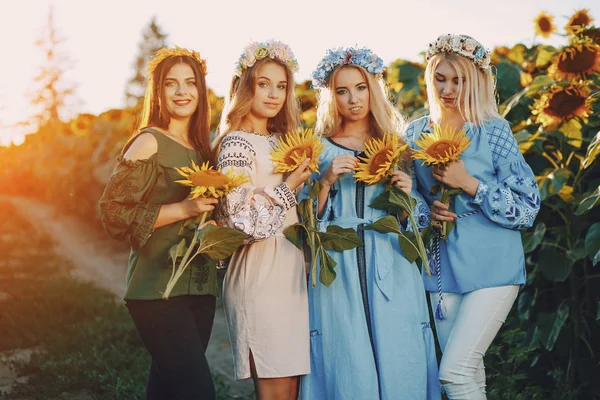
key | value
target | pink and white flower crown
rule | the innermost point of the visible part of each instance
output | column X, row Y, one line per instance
column 259, row 50
column 462, row 45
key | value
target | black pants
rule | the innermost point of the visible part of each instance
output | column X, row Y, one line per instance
column 176, row 334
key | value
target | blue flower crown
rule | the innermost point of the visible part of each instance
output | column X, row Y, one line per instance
column 346, row 56
column 462, row 45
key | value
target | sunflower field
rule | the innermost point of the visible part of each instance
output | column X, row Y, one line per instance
column 549, row 347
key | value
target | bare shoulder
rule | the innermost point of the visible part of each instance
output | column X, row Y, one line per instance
column 142, row 147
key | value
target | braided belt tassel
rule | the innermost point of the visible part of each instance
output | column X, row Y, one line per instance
column 440, row 309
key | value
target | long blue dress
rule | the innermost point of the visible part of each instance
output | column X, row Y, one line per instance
column 370, row 329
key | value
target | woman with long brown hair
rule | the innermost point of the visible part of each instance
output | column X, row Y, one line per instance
column 144, row 205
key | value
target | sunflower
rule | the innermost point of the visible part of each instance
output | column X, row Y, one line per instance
column 544, row 25
column 441, row 147
column 592, row 33
column 562, row 103
column 208, row 182
column 294, row 148
column 578, row 60
column 579, row 19
column 81, row 125
column 382, row 157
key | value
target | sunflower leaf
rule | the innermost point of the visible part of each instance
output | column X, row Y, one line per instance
column 592, row 151
column 539, row 82
column 315, row 188
column 295, row 234
column 400, row 198
column 545, row 54
column 218, row 242
column 327, row 273
column 387, row 224
column 304, row 209
column 339, row 239
column 382, row 202
column 177, row 251
column 408, row 244
column 589, row 202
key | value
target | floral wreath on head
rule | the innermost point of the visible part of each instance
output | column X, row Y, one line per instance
column 363, row 57
column 258, row 50
column 162, row 54
column 462, row 45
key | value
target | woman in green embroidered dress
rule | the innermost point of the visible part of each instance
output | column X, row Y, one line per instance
column 144, row 205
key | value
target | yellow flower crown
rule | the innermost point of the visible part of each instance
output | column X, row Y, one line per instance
column 162, row 54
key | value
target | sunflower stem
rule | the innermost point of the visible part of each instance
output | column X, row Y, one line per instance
column 420, row 243
column 184, row 261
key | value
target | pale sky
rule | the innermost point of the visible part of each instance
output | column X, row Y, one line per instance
column 102, row 37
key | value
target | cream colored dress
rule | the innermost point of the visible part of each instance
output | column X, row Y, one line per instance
column 265, row 287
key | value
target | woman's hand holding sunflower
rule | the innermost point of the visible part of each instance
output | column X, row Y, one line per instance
column 402, row 180
column 455, row 175
column 299, row 175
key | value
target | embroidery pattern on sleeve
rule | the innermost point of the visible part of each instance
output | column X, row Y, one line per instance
column 502, row 142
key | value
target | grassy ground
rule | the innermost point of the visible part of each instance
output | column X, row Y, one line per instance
column 88, row 346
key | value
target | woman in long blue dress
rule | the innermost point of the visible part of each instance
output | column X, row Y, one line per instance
column 478, row 270
column 370, row 329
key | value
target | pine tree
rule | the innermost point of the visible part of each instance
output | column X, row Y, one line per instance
column 153, row 39
column 52, row 90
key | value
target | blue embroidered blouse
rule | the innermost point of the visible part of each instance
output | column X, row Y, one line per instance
column 484, row 248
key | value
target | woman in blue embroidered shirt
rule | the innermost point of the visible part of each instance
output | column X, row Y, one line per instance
column 478, row 270
column 370, row 331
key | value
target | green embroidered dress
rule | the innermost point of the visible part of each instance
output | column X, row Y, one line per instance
column 129, row 208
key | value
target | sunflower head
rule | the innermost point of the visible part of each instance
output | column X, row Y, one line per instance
column 559, row 104
column 441, row 147
column 205, row 181
column 382, row 157
column 294, row 148
column 592, row 34
column 580, row 19
column 577, row 60
column 544, row 25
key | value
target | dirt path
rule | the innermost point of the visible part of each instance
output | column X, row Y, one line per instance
column 97, row 259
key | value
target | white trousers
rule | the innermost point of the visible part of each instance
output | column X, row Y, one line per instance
column 472, row 321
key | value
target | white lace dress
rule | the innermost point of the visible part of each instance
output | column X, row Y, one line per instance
column 265, row 287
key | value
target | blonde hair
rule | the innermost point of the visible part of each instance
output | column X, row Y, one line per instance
column 479, row 98
column 239, row 102
column 383, row 116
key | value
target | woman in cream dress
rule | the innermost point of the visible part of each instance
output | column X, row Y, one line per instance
column 265, row 291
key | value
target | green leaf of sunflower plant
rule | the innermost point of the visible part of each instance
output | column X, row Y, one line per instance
column 408, row 244
column 589, row 202
column 387, row 224
column 218, row 242
column 296, row 233
column 532, row 240
column 307, row 232
column 592, row 243
column 327, row 273
column 395, row 199
column 177, row 251
column 383, row 202
column 592, row 151
column 340, row 239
